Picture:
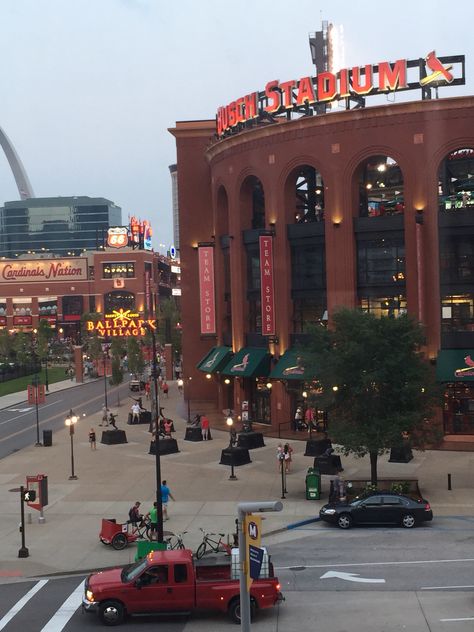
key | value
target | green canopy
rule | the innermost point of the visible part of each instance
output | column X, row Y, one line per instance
column 215, row 360
column 455, row 365
column 291, row 366
column 249, row 362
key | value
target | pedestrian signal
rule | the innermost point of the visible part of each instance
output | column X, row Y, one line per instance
column 29, row 495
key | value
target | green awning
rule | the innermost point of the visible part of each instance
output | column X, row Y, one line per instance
column 249, row 362
column 291, row 366
column 455, row 365
column 215, row 360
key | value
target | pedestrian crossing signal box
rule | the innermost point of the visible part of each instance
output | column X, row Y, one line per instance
column 39, row 486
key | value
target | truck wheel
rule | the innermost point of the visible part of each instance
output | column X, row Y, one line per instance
column 111, row 613
column 234, row 609
column 201, row 550
column 119, row 541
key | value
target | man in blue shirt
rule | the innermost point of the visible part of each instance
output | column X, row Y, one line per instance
column 165, row 496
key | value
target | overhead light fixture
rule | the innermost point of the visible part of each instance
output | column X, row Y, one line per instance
column 368, row 185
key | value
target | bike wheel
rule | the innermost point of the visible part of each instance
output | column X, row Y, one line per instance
column 201, row 550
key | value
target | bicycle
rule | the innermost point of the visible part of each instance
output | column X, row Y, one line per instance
column 177, row 544
column 142, row 529
column 216, row 546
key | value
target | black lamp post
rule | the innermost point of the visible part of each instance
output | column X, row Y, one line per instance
column 71, row 421
column 106, row 355
column 230, row 422
column 159, row 501
column 46, row 380
column 35, row 382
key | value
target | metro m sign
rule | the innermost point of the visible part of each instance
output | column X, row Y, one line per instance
column 206, row 289
column 267, row 296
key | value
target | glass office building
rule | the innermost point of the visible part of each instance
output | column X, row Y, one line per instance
column 60, row 225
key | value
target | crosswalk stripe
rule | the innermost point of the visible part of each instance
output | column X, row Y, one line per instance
column 21, row 602
column 65, row 612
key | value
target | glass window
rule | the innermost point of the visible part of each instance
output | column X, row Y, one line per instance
column 118, row 299
column 72, row 305
column 253, row 269
column 384, row 306
column 392, row 500
column 255, row 315
column 381, row 262
column 180, row 573
column 308, row 268
column 457, row 259
column 308, row 312
column 372, row 501
column 119, row 269
column 457, row 312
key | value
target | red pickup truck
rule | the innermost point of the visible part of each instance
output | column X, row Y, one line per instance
column 166, row 582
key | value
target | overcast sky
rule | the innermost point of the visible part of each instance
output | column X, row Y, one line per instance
column 91, row 86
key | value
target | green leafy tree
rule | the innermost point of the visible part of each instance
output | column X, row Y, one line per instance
column 7, row 346
column 43, row 338
column 117, row 375
column 136, row 361
column 23, row 349
column 94, row 348
column 376, row 384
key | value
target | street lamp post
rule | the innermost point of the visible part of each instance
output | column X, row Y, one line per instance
column 46, row 380
column 35, row 381
column 106, row 353
column 159, row 502
column 230, row 422
column 71, row 421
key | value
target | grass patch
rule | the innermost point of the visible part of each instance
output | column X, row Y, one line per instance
column 55, row 374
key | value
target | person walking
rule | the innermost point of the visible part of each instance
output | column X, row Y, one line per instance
column 92, row 439
column 165, row 496
column 298, row 419
column 153, row 516
column 280, row 456
column 165, row 388
column 204, row 427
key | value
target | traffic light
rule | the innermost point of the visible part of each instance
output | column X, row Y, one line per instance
column 29, row 495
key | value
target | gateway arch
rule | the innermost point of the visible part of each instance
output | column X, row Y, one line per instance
column 22, row 181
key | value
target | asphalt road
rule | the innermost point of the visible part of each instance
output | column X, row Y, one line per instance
column 364, row 580
column 18, row 426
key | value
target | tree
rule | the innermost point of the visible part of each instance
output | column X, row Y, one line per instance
column 44, row 335
column 376, row 384
column 136, row 361
column 117, row 375
column 6, row 346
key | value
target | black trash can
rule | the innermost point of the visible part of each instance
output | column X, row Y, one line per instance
column 47, row 438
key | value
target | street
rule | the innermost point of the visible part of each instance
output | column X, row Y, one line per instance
column 18, row 422
column 422, row 577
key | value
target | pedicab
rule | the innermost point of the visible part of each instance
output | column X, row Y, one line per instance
column 119, row 535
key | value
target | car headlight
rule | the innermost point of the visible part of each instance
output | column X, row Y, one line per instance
column 329, row 511
column 89, row 595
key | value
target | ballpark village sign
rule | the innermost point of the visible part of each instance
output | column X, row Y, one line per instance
column 121, row 323
column 351, row 84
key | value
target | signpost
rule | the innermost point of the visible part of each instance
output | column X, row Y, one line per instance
column 36, row 395
column 250, row 527
column 26, row 496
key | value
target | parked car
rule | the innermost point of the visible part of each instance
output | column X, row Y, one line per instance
column 378, row 508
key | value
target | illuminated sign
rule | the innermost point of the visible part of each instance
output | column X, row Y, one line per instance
column 349, row 83
column 121, row 323
column 117, row 237
column 28, row 271
column 267, row 295
column 468, row 370
column 206, row 289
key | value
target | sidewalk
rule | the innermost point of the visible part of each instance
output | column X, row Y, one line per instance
column 113, row 477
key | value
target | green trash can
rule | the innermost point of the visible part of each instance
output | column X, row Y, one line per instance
column 313, row 484
column 145, row 546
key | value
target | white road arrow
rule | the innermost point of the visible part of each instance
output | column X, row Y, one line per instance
column 351, row 577
column 19, row 410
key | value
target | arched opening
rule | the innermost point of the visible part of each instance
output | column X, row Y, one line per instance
column 224, row 240
column 456, row 181
column 380, row 187
column 252, row 203
column 308, row 186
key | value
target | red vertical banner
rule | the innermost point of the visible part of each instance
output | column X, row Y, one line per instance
column 267, row 294
column 206, row 289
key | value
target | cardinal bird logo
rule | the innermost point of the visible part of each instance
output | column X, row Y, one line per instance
column 438, row 71
column 468, row 370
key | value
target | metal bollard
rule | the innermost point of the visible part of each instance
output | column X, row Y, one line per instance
column 449, row 482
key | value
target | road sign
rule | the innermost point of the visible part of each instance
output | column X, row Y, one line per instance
column 255, row 559
column 38, row 484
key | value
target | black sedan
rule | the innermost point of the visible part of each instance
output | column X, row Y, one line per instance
column 378, row 508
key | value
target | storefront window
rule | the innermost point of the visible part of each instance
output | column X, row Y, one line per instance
column 22, row 306
column 457, row 313
column 456, row 181
column 124, row 270
column 260, row 402
column 380, row 187
column 73, row 306
column 308, row 312
column 381, row 262
column 47, row 306
column 384, row 306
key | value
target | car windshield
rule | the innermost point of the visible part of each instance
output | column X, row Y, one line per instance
column 131, row 572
